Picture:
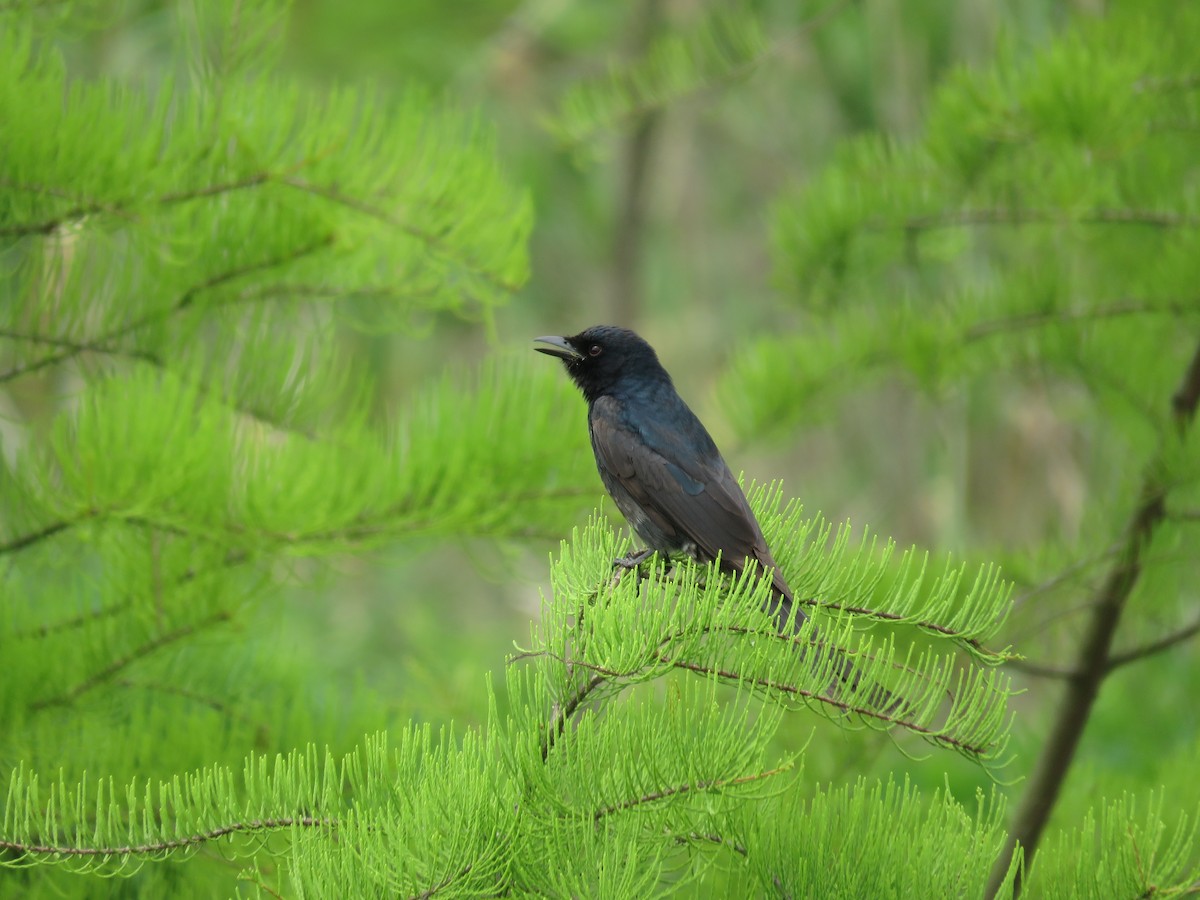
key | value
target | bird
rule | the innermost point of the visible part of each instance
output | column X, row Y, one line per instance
column 663, row 470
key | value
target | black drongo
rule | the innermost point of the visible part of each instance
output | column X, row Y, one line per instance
column 662, row 468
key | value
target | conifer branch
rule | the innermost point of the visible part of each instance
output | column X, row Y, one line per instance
column 225, row 277
column 118, row 665
column 698, row 787
column 430, row 240
column 444, row 883
column 1095, row 657
column 604, row 674
column 24, row 541
column 884, row 616
column 983, row 330
column 125, row 209
column 156, row 847
column 715, row 839
column 68, row 344
column 100, row 343
column 954, row 218
column 656, row 81
column 965, row 747
column 212, row 703
column 567, row 710
column 1065, row 575
column 80, row 621
column 259, row 415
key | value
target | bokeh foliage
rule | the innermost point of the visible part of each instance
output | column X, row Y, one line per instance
column 257, row 260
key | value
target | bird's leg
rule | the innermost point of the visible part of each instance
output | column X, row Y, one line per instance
column 633, row 560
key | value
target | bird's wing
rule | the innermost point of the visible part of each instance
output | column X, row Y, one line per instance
column 678, row 478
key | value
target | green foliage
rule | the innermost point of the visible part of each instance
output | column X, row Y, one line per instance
column 1038, row 238
column 193, row 434
column 1128, row 849
column 724, row 46
column 625, row 790
column 905, row 859
column 231, row 191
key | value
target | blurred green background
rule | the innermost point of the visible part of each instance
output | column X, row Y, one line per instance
column 1003, row 466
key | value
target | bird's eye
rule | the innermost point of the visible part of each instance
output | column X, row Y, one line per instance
column 595, row 350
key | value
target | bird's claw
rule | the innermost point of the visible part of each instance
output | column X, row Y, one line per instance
column 633, row 560
column 630, row 562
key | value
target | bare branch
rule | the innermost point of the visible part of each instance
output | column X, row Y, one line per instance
column 1164, row 643
column 1064, row 576
column 1039, row 671
column 1095, row 655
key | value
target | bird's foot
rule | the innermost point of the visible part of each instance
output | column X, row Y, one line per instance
column 633, row 560
column 630, row 562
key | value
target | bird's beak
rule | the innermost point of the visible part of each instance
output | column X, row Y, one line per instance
column 558, row 347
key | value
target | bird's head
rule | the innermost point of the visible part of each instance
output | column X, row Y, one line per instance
column 603, row 358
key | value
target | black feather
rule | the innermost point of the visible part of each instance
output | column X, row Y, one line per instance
column 666, row 474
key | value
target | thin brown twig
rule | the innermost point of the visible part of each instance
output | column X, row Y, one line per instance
column 884, row 616
column 29, row 539
column 568, row 710
column 1037, row 670
column 232, row 559
column 603, row 674
column 1164, row 643
column 78, row 621
column 701, row 786
column 268, row 889
column 1065, row 575
column 444, row 883
column 193, row 840
column 68, row 344
column 714, row 839
column 782, row 687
